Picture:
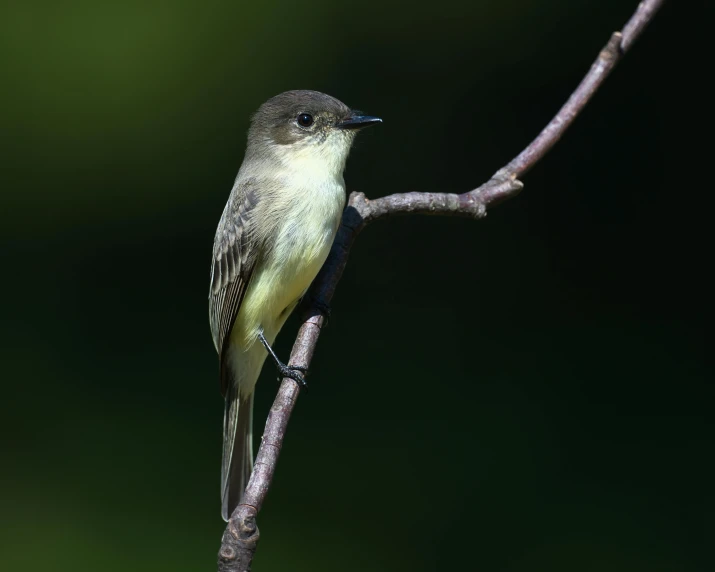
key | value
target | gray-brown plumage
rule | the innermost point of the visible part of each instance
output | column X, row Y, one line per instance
column 274, row 235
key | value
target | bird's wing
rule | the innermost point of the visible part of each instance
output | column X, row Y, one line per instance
column 234, row 257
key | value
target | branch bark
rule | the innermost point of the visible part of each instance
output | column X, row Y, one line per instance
column 240, row 538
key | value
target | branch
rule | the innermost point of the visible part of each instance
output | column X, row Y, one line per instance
column 241, row 536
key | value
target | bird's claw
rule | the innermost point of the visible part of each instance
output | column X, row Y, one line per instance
column 295, row 372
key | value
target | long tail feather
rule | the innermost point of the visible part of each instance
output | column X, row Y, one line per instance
column 237, row 449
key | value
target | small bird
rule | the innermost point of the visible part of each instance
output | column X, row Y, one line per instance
column 273, row 237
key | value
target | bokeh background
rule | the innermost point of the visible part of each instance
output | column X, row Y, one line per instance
column 529, row 392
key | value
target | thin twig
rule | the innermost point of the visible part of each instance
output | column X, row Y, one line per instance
column 241, row 536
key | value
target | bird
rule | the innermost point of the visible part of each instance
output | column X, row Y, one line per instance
column 273, row 237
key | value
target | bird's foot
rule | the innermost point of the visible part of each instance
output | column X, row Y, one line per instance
column 294, row 372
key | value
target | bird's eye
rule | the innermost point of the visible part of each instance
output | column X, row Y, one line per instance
column 305, row 120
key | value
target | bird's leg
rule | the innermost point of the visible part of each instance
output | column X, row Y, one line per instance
column 291, row 371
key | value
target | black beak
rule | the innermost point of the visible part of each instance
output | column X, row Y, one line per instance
column 357, row 121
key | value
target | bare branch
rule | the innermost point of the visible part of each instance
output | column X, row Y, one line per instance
column 610, row 55
column 241, row 536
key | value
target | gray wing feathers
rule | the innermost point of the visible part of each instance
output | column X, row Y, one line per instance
column 234, row 256
column 233, row 260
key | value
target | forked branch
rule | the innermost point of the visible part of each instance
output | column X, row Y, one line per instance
column 241, row 536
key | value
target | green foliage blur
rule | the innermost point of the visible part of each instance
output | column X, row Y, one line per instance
column 532, row 392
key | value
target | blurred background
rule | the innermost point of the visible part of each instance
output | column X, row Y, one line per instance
column 528, row 392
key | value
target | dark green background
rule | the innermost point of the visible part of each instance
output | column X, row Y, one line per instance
column 530, row 392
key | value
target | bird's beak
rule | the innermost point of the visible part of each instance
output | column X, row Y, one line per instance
column 357, row 120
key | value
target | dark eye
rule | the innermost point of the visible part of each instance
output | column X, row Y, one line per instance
column 305, row 120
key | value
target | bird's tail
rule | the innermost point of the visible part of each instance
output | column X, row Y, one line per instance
column 237, row 449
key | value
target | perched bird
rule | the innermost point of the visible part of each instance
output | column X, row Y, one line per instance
column 273, row 237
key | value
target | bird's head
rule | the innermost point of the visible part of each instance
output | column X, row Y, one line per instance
column 304, row 125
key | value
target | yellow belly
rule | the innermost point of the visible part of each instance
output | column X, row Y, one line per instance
column 278, row 283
